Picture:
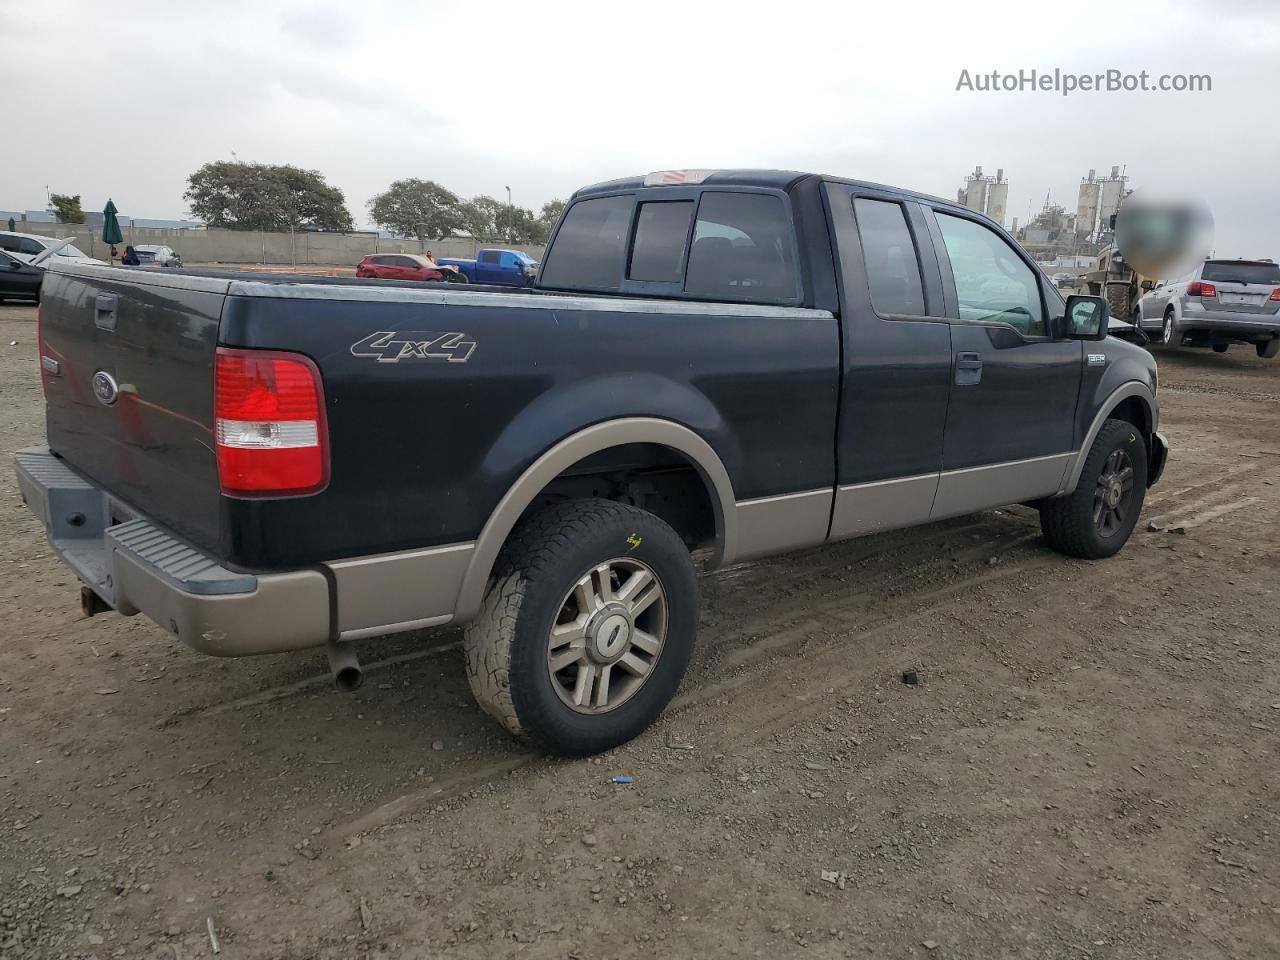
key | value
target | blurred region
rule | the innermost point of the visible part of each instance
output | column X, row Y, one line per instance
column 1161, row 236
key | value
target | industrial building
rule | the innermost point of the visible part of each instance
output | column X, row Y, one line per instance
column 1098, row 202
column 985, row 194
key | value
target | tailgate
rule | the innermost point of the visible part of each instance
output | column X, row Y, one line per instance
column 127, row 362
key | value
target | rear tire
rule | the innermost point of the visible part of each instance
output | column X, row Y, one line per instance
column 586, row 628
column 1170, row 339
column 1095, row 519
column 1118, row 302
column 1268, row 350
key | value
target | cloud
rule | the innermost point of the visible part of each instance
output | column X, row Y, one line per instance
column 552, row 97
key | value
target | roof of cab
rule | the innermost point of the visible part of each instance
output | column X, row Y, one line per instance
column 776, row 179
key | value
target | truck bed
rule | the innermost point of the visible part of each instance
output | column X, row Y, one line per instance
column 424, row 440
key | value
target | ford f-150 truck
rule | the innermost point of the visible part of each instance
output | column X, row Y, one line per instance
column 504, row 268
column 749, row 362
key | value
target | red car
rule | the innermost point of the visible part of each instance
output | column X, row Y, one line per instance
column 406, row 266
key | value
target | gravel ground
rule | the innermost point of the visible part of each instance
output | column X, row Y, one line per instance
column 1086, row 770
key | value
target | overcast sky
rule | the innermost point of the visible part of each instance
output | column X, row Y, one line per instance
column 127, row 100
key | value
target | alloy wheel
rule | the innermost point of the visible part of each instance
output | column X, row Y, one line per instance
column 608, row 635
column 1113, row 495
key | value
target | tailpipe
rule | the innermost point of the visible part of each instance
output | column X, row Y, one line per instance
column 345, row 666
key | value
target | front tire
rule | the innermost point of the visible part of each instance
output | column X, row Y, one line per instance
column 586, row 629
column 1094, row 520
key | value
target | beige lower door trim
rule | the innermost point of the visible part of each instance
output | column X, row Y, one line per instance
column 863, row 508
column 998, row 484
column 787, row 522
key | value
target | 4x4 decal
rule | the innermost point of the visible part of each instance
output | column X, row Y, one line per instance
column 387, row 346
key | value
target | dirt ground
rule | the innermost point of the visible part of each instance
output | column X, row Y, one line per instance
column 1087, row 770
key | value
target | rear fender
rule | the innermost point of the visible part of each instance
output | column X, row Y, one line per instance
column 569, row 450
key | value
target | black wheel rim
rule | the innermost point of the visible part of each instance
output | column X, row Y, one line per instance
column 1113, row 495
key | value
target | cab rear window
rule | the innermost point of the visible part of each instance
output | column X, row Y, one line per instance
column 591, row 245
column 742, row 249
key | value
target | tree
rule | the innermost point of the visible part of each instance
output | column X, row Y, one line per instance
column 482, row 217
column 67, row 207
column 263, row 196
column 419, row 208
column 551, row 211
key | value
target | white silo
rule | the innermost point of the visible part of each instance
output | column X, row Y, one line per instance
column 975, row 190
column 1087, row 205
column 1112, row 193
column 998, row 197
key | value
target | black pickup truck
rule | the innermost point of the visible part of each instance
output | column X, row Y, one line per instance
column 747, row 361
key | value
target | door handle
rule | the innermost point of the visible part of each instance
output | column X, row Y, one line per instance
column 104, row 311
column 968, row 369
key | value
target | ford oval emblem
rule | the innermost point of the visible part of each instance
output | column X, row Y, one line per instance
column 105, row 388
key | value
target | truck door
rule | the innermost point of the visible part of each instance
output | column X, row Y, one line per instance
column 896, row 362
column 1014, row 386
column 487, row 267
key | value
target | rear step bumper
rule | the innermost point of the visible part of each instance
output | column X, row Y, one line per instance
column 137, row 567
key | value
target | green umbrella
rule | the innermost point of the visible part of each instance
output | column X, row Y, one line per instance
column 12, row 226
column 110, row 225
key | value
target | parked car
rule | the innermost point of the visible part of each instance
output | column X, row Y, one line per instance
column 1219, row 303
column 405, row 266
column 507, row 268
column 19, row 280
column 25, row 246
column 747, row 361
column 150, row 254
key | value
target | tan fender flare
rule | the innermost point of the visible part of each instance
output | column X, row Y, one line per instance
column 1131, row 388
column 593, row 439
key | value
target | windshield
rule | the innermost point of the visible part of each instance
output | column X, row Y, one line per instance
column 1241, row 271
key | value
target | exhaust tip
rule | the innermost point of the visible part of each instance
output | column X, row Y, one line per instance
column 345, row 667
column 348, row 679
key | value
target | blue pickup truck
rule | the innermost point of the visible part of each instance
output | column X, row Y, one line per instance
column 508, row 268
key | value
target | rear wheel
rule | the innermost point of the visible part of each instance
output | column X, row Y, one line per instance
column 1268, row 349
column 1169, row 338
column 1095, row 520
column 586, row 628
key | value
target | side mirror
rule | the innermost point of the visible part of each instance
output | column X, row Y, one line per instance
column 1148, row 285
column 1087, row 318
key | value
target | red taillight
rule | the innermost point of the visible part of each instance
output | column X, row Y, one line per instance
column 1275, row 294
column 269, row 426
column 1198, row 288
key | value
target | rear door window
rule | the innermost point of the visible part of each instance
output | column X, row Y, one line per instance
column 742, row 249
column 591, row 245
column 657, row 254
column 488, row 256
column 893, row 271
